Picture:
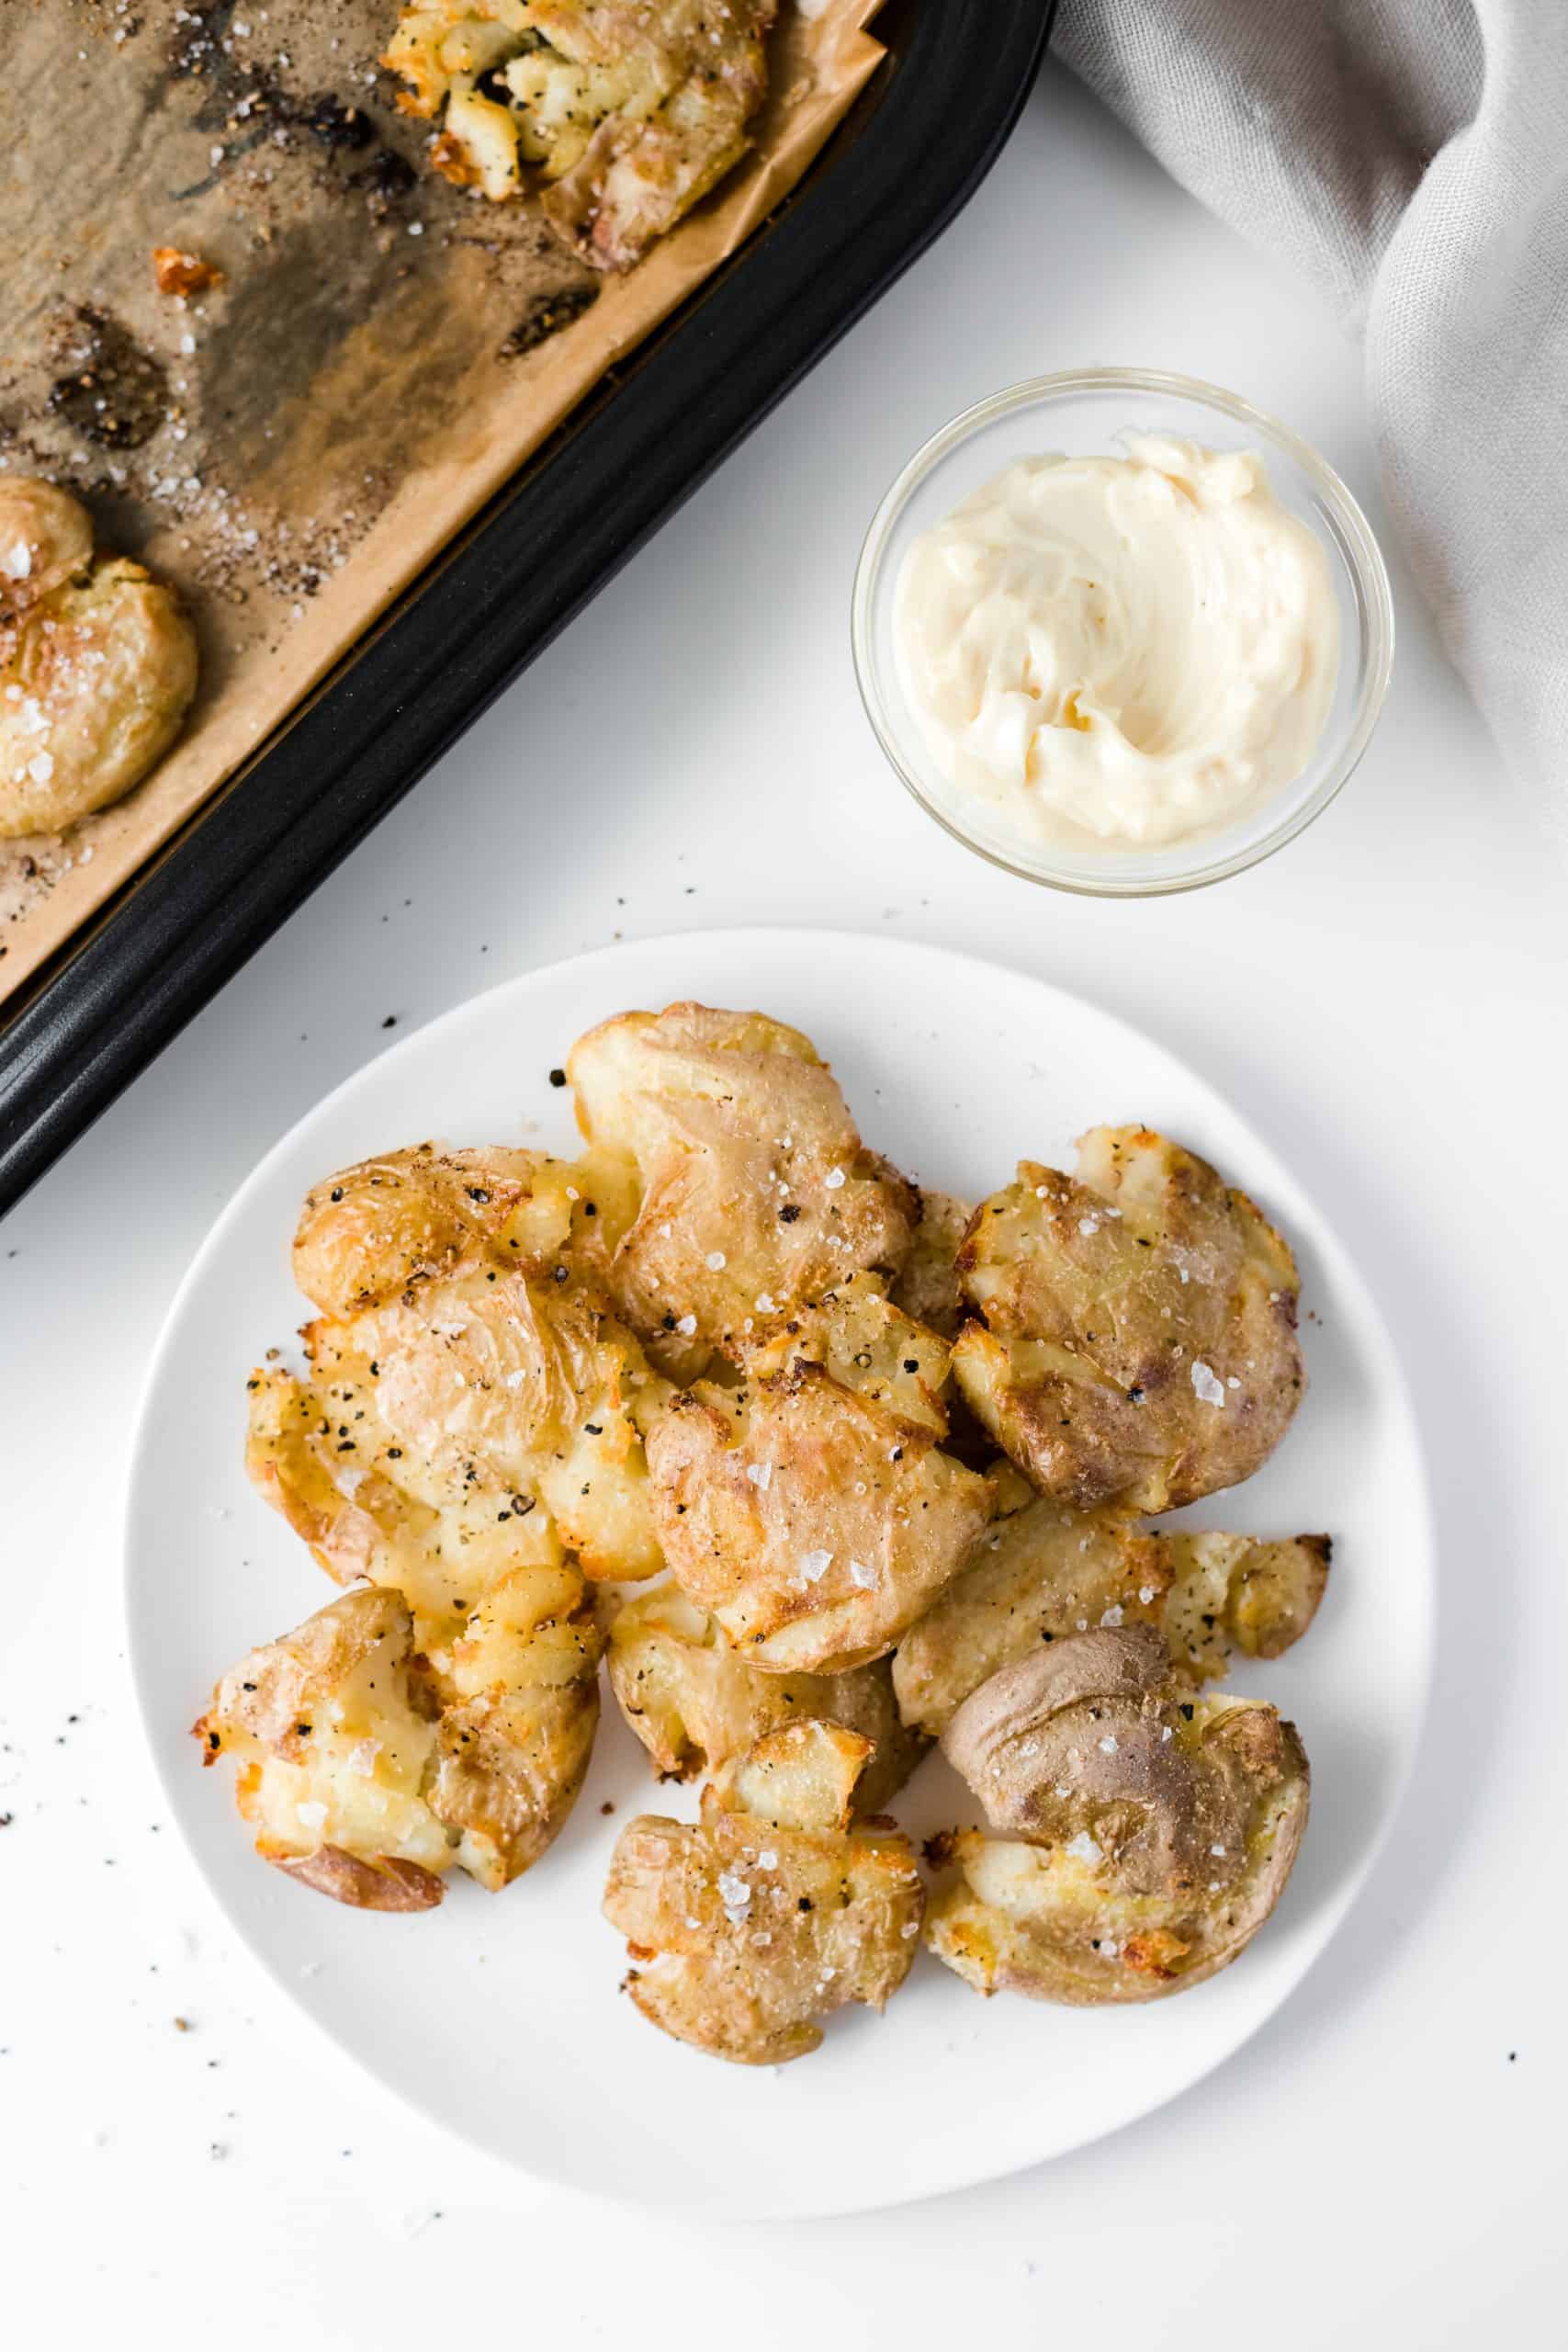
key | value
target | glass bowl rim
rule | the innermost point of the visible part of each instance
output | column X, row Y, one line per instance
column 1373, row 595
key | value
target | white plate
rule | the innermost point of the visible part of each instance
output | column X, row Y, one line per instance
column 498, row 2016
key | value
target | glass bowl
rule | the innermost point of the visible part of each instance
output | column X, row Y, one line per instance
column 1085, row 413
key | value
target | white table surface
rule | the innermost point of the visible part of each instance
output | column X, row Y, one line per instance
column 1384, row 2166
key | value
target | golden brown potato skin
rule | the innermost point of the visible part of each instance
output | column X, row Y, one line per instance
column 97, row 664
column 382, row 1884
column 814, row 1518
column 1038, row 1576
column 468, row 1376
column 369, row 1232
column 745, row 1928
column 757, row 1194
column 1138, row 1341
column 694, row 1702
column 1146, row 1837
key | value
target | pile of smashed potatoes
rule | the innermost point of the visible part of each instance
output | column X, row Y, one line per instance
column 823, row 1471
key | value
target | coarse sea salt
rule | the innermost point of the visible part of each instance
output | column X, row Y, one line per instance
column 735, row 1893
column 1205, row 1386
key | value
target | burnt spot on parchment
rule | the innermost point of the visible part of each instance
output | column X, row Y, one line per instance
column 546, row 315
column 111, row 390
column 246, row 103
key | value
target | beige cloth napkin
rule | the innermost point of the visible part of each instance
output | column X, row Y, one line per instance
column 1412, row 156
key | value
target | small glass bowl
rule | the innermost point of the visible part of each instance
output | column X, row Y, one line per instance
column 1085, row 413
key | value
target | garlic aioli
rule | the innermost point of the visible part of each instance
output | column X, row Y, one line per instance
column 1120, row 650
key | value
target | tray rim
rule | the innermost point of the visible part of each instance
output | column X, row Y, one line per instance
column 488, row 604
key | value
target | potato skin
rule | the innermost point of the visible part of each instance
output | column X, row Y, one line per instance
column 331, row 1734
column 1138, row 1335
column 370, row 1772
column 1146, row 1837
column 368, row 1232
column 1037, row 1577
column 757, row 1192
column 694, row 1702
column 385, row 1883
column 1045, row 1572
column 743, row 1932
column 855, row 1520
column 467, row 1376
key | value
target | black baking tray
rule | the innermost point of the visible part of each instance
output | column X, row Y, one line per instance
column 918, row 143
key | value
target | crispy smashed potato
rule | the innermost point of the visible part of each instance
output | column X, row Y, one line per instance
column 694, row 1702
column 813, row 1509
column 625, row 112
column 1043, row 1573
column 1232, row 1592
column 467, row 1374
column 1146, row 1837
column 757, row 1192
column 768, row 1914
column 332, row 1736
column 97, row 664
column 369, row 1775
column 1139, row 1335
column 369, row 1232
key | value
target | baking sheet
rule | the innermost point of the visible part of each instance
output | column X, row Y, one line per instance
column 381, row 353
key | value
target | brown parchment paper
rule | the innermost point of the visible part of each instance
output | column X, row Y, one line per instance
column 382, row 351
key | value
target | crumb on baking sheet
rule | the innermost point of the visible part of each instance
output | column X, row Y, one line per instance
column 177, row 272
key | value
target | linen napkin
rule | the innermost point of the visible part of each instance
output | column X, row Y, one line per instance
column 1412, row 156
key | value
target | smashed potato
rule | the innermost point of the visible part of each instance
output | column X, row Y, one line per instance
column 749, row 1926
column 625, row 112
column 812, row 1510
column 694, row 1702
column 97, row 664
column 365, row 1785
column 1146, row 1837
column 1232, row 1592
column 1139, row 1334
column 333, row 1737
column 757, row 1192
column 368, row 1233
column 1043, row 1573
column 466, row 1373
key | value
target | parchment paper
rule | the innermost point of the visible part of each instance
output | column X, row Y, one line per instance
column 292, row 447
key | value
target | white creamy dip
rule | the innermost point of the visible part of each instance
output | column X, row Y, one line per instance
column 1121, row 650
